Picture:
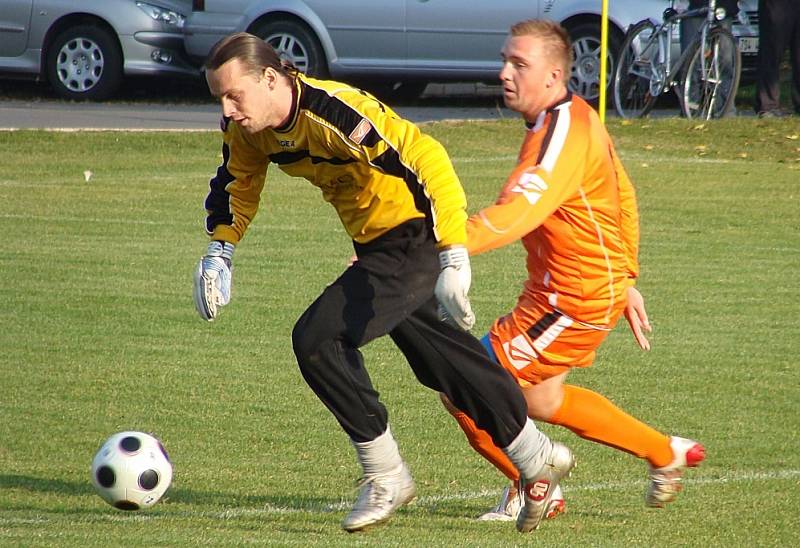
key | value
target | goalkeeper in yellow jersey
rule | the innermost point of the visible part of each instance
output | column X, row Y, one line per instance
column 400, row 201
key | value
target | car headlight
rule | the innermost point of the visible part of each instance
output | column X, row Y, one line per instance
column 163, row 15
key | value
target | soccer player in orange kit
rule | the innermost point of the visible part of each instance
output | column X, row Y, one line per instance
column 570, row 202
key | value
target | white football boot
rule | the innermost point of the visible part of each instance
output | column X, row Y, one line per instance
column 379, row 497
column 538, row 490
column 511, row 502
column 667, row 482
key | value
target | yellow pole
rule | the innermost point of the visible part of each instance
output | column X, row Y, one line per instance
column 603, row 53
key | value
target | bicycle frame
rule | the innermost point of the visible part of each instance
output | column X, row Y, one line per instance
column 704, row 76
column 662, row 66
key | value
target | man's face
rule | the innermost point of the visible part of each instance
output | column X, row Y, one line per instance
column 245, row 97
column 530, row 80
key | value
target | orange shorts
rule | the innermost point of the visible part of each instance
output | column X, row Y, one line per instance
column 552, row 345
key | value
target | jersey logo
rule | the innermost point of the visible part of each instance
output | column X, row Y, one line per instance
column 531, row 186
column 286, row 143
column 537, row 491
column 519, row 351
column 360, row 131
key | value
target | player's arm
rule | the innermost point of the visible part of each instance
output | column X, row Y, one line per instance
column 629, row 216
column 235, row 191
column 550, row 171
column 635, row 312
column 397, row 146
column 231, row 204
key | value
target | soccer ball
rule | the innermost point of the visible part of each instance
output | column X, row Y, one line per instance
column 131, row 470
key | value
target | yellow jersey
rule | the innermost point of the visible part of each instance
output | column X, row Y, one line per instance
column 376, row 169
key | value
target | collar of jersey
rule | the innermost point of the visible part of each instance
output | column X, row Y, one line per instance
column 539, row 122
column 297, row 90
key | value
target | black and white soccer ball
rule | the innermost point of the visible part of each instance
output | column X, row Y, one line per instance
column 131, row 470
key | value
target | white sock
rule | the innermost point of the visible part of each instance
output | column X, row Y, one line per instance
column 379, row 456
column 528, row 450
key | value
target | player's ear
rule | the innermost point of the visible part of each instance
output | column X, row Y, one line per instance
column 554, row 76
column 269, row 77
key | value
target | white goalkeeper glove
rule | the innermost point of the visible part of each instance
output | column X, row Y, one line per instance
column 452, row 288
column 212, row 280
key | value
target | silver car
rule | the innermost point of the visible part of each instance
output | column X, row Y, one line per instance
column 83, row 48
column 408, row 43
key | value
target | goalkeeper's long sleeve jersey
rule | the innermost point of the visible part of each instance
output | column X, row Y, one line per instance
column 376, row 169
column 573, row 206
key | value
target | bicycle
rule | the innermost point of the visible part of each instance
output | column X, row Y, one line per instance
column 705, row 76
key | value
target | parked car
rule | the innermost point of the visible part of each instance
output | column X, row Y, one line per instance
column 83, row 49
column 745, row 29
column 408, row 43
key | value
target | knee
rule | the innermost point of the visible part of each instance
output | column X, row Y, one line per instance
column 307, row 338
column 543, row 404
column 541, row 411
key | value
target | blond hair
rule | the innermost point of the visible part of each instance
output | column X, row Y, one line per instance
column 555, row 41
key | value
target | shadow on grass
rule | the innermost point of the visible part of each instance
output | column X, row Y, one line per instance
column 278, row 503
column 285, row 503
column 44, row 485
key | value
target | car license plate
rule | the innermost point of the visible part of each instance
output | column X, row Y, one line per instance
column 748, row 44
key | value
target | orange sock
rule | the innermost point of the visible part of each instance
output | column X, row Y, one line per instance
column 595, row 418
column 482, row 442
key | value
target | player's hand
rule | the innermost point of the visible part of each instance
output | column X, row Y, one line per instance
column 212, row 279
column 452, row 288
column 636, row 315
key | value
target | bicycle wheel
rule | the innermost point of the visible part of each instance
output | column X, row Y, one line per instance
column 638, row 78
column 711, row 78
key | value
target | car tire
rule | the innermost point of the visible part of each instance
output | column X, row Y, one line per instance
column 585, row 77
column 84, row 63
column 294, row 42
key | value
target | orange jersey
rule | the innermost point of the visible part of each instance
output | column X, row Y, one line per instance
column 573, row 206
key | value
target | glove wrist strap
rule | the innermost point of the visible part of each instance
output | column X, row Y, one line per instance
column 217, row 248
column 455, row 257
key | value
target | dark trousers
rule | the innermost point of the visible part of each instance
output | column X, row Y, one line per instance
column 390, row 290
column 778, row 28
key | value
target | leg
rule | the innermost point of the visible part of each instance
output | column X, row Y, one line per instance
column 553, row 345
column 511, row 500
column 479, row 439
column 365, row 302
column 795, row 60
column 593, row 417
column 481, row 442
column 326, row 339
column 772, row 42
column 453, row 362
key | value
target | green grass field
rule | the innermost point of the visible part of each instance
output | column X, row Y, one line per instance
column 99, row 334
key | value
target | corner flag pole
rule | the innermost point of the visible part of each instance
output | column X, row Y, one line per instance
column 603, row 62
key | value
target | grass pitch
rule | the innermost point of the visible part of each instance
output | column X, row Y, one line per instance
column 99, row 334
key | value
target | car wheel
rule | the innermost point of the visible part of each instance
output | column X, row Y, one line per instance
column 85, row 63
column 585, row 77
column 294, row 42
